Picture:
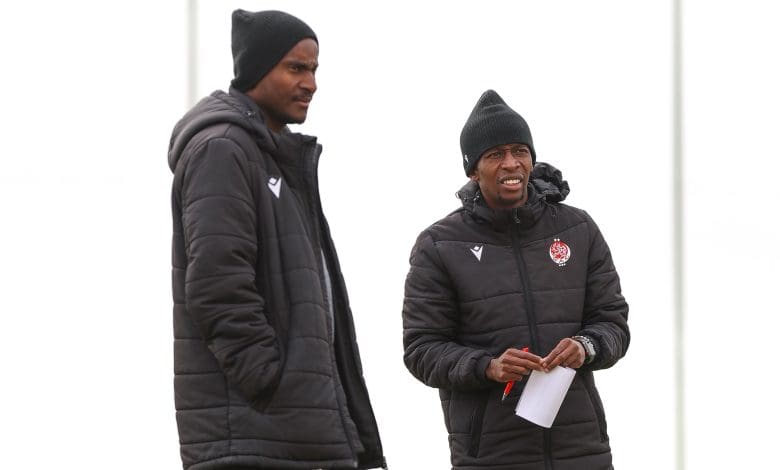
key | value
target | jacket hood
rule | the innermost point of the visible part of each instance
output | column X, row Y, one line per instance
column 547, row 187
column 219, row 107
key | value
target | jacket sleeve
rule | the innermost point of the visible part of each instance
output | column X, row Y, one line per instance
column 430, row 323
column 605, row 317
column 220, row 236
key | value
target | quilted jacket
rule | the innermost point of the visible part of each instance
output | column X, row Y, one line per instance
column 267, row 374
column 482, row 281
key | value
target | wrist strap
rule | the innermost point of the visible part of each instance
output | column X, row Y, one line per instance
column 587, row 344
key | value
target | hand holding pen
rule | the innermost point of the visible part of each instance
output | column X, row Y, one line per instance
column 511, row 383
column 511, row 366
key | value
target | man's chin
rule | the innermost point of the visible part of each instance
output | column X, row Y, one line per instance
column 297, row 119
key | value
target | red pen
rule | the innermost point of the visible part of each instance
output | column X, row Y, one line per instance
column 511, row 383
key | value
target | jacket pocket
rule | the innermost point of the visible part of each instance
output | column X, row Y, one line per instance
column 598, row 408
column 475, row 426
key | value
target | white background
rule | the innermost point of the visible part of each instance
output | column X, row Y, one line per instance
column 92, row 90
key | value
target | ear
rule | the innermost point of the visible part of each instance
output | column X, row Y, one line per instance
column 473, row 176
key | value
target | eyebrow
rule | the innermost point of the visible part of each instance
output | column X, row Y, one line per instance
column 311, row 65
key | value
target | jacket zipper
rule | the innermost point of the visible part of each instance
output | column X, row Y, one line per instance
column 328, row 253
column 330, row 248
column 529, row 307
column 314, row 210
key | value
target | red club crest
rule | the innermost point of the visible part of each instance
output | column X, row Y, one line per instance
column 560, row 252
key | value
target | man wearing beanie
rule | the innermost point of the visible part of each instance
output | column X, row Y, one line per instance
column 514, row 281
column 267, row 369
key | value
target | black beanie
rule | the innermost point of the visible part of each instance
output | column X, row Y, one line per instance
column 492, row 123
column 260, row 40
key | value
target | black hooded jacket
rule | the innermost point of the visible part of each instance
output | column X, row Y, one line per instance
column 267, row 370
column 484, row 280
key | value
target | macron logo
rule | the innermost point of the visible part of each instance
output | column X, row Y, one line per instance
column 477, row 250
column 275, row 185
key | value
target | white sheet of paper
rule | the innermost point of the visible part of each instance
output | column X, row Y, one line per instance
column 543, row 394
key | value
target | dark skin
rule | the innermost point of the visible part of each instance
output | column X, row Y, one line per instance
column 502, row 173
column 285, row 92
column 514, row 364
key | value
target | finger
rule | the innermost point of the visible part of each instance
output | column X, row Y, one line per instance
column 577, row 355
column 554, row 355
column 510, row 377
column 562, row 354
column 533, row 361
column 535, row 365
column 578, row 358
column 531, row 358
column 528, row 363
column 553, row 360
column 573, row 355
column 503, row 369
column 525, row 370
column 519, row 354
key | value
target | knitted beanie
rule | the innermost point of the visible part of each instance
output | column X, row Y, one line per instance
column 260, row 40
column 492, row 123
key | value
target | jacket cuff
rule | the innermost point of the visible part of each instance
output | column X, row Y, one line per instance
column 482, row 365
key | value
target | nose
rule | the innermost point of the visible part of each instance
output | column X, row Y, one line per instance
column 509, row 161
column 309, row 83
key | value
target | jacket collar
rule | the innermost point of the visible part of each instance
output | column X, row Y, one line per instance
column 297, row 155
column 547, row 187
column 249, row 106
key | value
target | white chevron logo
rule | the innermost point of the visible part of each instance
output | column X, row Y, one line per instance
column 275, row 185
column 477, row 250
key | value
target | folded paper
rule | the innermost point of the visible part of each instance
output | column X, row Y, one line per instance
column 543, row 394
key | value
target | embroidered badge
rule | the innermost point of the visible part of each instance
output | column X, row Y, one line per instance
column 560, row 252
column 477, row 250
column 275, row 185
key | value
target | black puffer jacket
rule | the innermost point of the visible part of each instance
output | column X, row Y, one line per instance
column 261, row 379
column 484, row 280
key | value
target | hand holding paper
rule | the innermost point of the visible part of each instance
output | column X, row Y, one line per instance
column 568, row 353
